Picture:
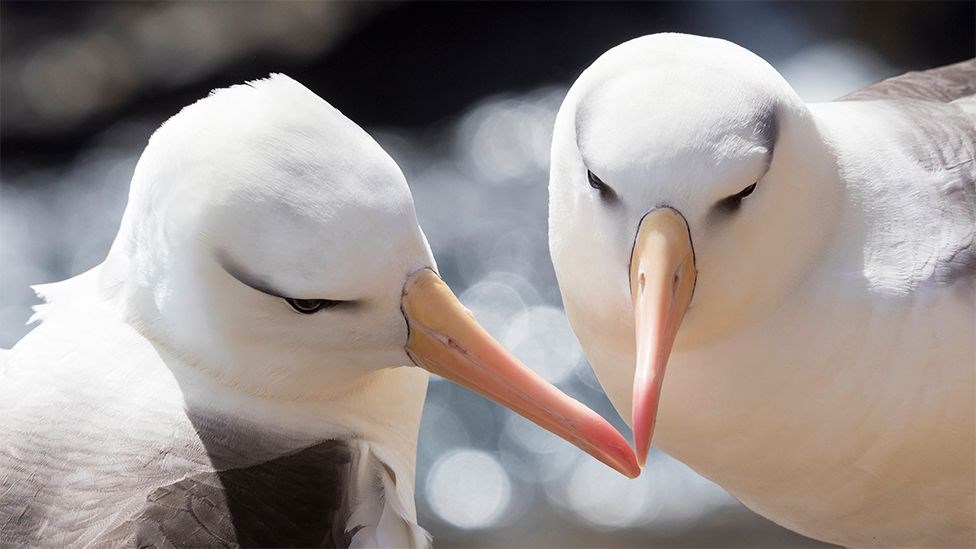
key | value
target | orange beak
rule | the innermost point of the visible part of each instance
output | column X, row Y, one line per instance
column 446, row 340
column 662, row 281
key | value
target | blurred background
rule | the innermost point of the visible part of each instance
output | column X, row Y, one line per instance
column 463, row 96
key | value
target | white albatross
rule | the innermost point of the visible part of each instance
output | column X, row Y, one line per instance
column 820, row 262
column 235, row 373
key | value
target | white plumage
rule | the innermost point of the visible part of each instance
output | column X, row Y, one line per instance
column 824, row 370
column 236, row 372
column 158, row 389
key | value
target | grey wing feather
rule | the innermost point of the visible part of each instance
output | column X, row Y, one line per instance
column 90, row 455
column 233, row 495
column 189, row 513
column 942, row 85
column 942, row 142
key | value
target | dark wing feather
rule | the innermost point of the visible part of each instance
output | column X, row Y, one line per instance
column 292, row 501
column 942, row 85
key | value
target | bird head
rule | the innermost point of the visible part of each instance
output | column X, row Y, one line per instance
column 679, row 175
column 271, row 242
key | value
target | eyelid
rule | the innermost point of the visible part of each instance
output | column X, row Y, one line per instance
column 606, row 192
column 323, row 304
column 594, row 180
column 733, row 202
column 328, row 303
column 239, row 274
column 748, row 190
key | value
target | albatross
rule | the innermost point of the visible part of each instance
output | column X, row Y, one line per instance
column 239, row 370
column 803, row 272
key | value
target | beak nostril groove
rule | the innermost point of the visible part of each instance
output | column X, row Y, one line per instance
column 641, row 282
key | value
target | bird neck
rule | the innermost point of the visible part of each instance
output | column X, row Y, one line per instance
column 382, row 407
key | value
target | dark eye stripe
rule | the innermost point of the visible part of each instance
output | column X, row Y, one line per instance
column 732, row 203
column 745, row 192
column 606, row 193
column 310, row 306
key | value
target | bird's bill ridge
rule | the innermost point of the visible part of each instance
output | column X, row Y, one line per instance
column 662, row 281
column 445, row 339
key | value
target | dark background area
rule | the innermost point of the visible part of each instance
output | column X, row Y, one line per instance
column 463, row 96
column 413, row 64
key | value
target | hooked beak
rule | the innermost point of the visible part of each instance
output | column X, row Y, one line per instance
column 446, row 340
column 662, row 281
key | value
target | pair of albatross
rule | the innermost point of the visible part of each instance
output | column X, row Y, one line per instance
column 237, row 371
column 812, row 267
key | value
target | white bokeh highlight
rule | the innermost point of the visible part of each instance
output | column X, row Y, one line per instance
column 541, row 337
column 469, row 489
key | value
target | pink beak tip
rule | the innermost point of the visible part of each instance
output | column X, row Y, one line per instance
column 629, row 466
column 642, row 457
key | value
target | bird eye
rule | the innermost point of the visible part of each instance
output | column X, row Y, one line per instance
column 309, row 306
column 606, row 193
column 732, row 203
column 745, row 192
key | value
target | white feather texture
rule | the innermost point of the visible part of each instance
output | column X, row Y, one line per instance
column 824, row 373
column 157, row 373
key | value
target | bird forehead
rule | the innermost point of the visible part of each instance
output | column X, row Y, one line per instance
column 653, row 119
column 653, row 108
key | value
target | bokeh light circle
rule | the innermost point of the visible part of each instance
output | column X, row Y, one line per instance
column 603, row 497
column 542, row 338
column 469, row 489
column 533, row 454
column 493, row 304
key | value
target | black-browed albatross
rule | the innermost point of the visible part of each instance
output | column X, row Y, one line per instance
column 237, row 371
column 813, row 266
